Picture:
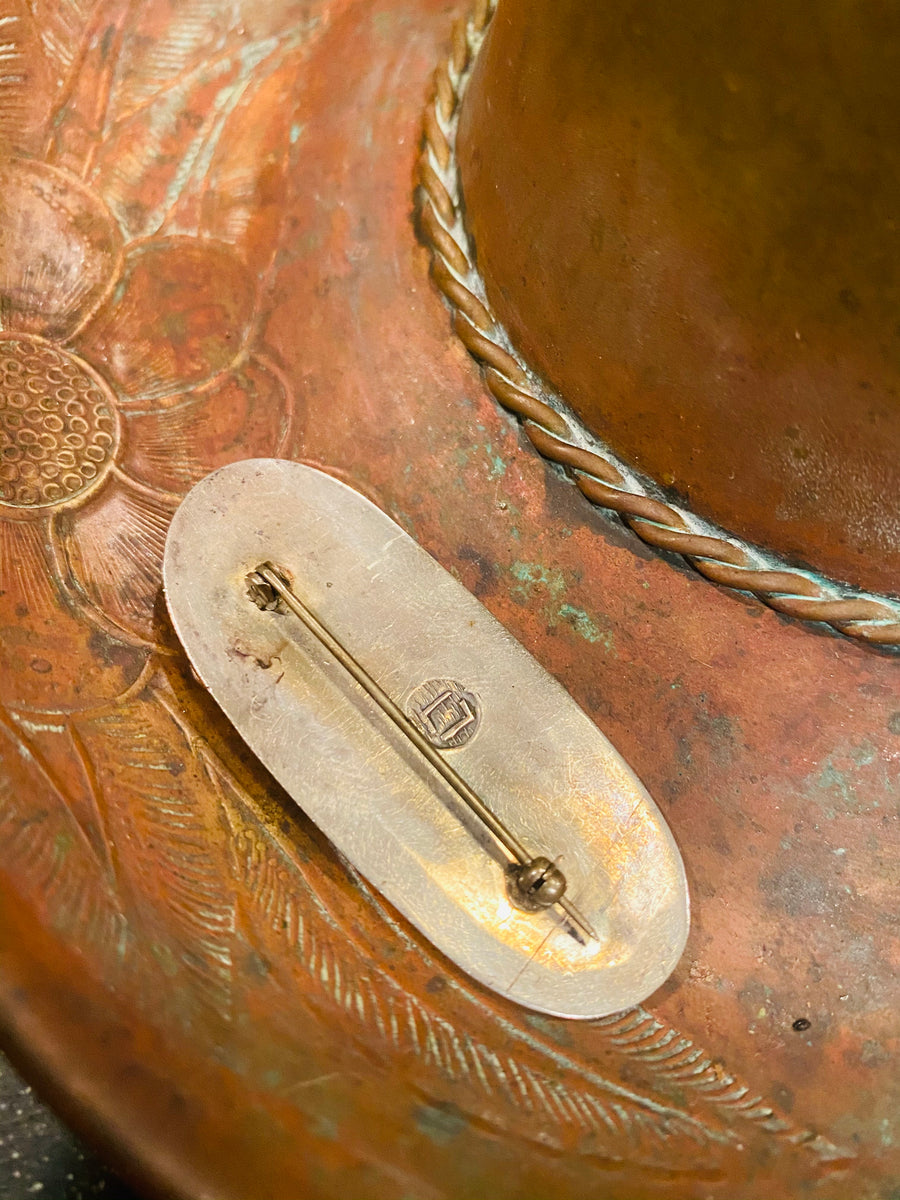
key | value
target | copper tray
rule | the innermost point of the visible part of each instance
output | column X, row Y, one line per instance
column 208, row 244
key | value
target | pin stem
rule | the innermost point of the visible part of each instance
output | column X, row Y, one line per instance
column 265, row 578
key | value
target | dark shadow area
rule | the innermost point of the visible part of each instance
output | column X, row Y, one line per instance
column 40, row 1158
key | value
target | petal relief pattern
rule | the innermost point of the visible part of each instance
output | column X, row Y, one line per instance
column 60, row 250
column 54, row 746
column 153, row 163
column 112, row 553
column 246, row 414
column 179, row 318
column 51, row 661
column 76, row 130
column 148, row 110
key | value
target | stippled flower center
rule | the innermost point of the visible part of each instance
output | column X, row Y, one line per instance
column 58, row 427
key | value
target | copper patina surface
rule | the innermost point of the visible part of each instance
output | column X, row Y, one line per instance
column 207, row 252
column 686, row 218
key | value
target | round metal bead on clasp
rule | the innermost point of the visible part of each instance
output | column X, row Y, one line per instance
column 535, row 885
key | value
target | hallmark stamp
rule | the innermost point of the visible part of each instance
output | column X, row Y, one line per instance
column 445, row 712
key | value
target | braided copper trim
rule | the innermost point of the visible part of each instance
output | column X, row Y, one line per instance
column 555, row 432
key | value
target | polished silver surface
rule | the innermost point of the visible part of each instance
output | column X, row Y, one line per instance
column 534, row 758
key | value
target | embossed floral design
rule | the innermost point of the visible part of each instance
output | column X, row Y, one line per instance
column 127, row 372
column 143, row 190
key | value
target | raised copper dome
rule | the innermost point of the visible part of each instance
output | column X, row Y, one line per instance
column 686, row 218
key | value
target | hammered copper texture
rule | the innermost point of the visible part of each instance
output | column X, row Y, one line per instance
column 686, row 219
column 208, row 222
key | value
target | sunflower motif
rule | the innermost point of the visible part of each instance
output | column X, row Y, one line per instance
column 143, row 189
column 126, row 373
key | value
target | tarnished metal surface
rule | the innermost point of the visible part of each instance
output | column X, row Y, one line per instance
column 539, row 764
column 185, row 964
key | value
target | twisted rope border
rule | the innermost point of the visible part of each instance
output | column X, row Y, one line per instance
column 603, row 478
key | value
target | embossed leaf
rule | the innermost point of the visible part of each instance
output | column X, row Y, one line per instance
column 677, row 1112
column 170, row 851
column 26, row 81
column 172, row 135
column 61, row 860
column 62, row 25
